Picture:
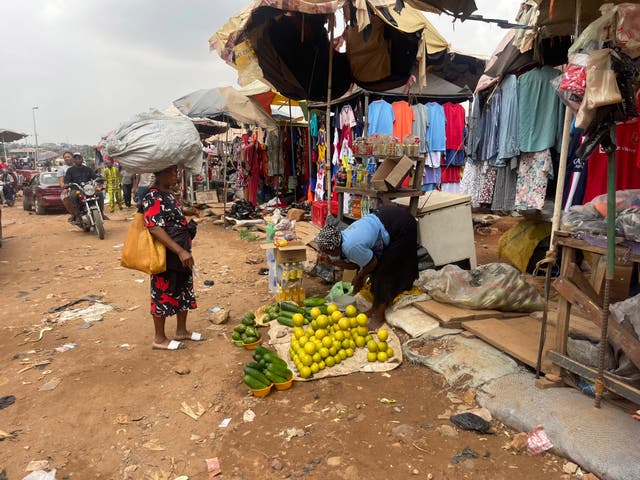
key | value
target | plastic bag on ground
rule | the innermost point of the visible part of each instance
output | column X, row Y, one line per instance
column 41, row 475
column 494, row 286
column 153, row 141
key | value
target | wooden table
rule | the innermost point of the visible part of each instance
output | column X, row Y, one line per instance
column 575, row 289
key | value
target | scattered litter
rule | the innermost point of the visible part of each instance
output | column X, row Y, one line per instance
column 35, row 365
column 194, row 412
column 34, row 465
column 220, row 316
column 387, row 401
column 570, row 468
column 538, row 441
column 123, row 419
column 128, row 471
column 4, row 435
column 181, row 477
column 93, row 313
column 139, row 280
column 467, row 453
column 125, row 345
column 153, row 445
column 471, row 421
column 252, row 260
column 209, row 283
column 182, row 370
column 636, row 415
column 67, row 346
column 294, row 432
column 88, row 298
column 215, row 309
column 482, row 412
column 41, row 475
column 131, row 309
column 225, row 423
column 42, row 330
column 518, row 443
column 213, row 467
column 50, row 385
column 248, row 416
column 120, row 245
column 6, row 401
column 86, row 325
column 263, row 271
column 386, row 375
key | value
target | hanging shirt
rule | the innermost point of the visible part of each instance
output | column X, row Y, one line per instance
column 627, row 156
column 508, row 134
column 381, row 118
column 403, row 123
column 347, row 118
column 491, row 126
column 454, row 128
column 420, row 124
column 313, row 125
column 436, row 134
column 539, row 111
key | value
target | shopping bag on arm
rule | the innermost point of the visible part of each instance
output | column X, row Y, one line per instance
column 141, row 250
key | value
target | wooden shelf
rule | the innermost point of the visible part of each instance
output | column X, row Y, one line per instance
column 379, row 193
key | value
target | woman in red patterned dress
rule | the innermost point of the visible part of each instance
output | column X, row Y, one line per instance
column 172, row 291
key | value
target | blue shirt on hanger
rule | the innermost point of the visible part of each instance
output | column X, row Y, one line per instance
column 381, row 118
column 436, row 135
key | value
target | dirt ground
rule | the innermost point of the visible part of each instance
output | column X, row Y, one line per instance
column 115, row 412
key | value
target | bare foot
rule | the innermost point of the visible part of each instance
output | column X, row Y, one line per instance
column 168, row 345
column 189, row 336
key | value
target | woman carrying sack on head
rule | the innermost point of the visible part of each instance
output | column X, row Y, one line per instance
column 172, row 291
column 381, row 246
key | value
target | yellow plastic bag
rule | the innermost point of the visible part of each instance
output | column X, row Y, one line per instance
column 141, row 251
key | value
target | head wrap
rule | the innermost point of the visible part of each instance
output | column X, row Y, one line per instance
column 329, row 238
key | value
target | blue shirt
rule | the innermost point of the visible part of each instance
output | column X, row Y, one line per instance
column 381, row 118
column 364, row 238
column 508, row 136
column 436, row 135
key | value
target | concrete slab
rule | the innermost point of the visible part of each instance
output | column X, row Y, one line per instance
column 603, row 441
column 466, row 362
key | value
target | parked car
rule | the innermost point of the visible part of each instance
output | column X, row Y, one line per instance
column 42, row 194
column 25, row 176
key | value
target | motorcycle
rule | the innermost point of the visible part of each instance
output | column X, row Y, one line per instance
column 8, row 193
column 90, row 214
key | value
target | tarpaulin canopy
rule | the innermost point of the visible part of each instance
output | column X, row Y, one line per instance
column 10, row 135
column 218, row 103
column 286, row 43
column 559, row 18
column 457, row 8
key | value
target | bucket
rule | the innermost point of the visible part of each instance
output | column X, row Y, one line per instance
column 343, row 301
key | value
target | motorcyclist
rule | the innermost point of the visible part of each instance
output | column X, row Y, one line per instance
column 79, row 174
column 9, row 185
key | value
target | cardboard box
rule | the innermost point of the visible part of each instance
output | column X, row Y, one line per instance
column 391, row 173
column 291, row 253
column 207, row 196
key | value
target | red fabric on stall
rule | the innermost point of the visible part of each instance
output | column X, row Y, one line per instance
column 454, row 128
column 627, row 161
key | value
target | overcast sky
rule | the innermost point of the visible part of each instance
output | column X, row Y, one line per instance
column 89, row 65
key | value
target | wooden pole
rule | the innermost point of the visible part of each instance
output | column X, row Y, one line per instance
column 328, row 120
column 224, row 180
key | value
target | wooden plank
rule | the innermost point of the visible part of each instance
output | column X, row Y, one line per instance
column 564, row 307
column 580, row 280
column 517, row 337
column 623, row 255
column 618, row 335
column 598, row 273
column 451, row 316
column 610, row 382
column 578, row 325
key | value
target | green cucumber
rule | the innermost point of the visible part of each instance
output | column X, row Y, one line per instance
column 262, row 350
column 257, row 374
column 290, row 307
column 286, row 321
column 278, row 370
column 275, row 378
column 287, row 314
column 253, row 383
column 254, row 365
column 314, row 302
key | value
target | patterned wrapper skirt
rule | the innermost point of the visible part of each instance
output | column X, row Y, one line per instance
column 172, row 292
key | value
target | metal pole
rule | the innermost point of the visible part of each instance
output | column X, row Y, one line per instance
column 365, row 130
column 35, row 132
column 328, row 119
column 4, row 147
column 611, row 263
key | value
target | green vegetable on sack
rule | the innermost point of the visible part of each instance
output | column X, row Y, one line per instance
column 290, row 307
column 286, row 321
column 314, row 302
column 240, row 328
column 236, row 336
column 253, row 383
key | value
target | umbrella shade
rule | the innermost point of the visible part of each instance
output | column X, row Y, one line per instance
column 45, row 155
column 10, row 135
column 224, row 102
column 457, row 8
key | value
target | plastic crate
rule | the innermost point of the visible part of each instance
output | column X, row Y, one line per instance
column 319, row 212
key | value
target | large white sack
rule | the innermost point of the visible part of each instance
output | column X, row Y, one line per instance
column 153, row 141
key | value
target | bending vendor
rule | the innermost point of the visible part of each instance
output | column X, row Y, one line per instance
column 381, row 246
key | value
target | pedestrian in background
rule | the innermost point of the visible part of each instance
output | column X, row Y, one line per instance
column 141, row 184
column 127, row 186
column 112, row 177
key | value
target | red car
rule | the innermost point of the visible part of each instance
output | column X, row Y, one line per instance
column 42, row 194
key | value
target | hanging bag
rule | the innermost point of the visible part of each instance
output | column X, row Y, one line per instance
column 602, row 86
column 141, row 250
